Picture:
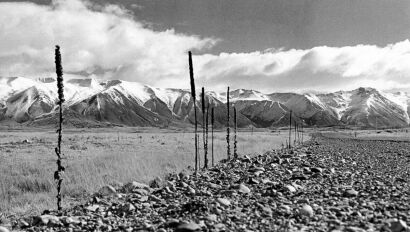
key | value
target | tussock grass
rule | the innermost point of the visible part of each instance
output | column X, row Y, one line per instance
column 94, row 159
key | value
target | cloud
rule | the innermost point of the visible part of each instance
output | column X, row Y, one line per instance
column 319, row 69
column 136, row 6
column 107, row 41
column 92, row 38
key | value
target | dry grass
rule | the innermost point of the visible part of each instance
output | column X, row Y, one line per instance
column 100, row 157
column 385, row 134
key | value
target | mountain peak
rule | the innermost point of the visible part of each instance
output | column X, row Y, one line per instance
column 83, row 82
column 46, row 79
column 366, row 89
column 136, row 104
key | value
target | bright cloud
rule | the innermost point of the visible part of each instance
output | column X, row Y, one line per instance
column 320, row 68
column 108, row 41
column 104, row 38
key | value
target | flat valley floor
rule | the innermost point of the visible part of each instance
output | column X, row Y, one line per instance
column 339, row 181
column 335, row 182
column 97, row 157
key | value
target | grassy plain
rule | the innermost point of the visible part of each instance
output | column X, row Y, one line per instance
column 402, row 134
column 95, row 157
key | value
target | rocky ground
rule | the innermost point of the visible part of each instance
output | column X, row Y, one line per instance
column 326, row 185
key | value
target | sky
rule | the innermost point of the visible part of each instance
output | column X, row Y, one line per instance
column 267, row 45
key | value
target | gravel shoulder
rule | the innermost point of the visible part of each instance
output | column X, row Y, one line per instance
column 328, row 184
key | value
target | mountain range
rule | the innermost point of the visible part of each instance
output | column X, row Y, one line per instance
column 93, row 103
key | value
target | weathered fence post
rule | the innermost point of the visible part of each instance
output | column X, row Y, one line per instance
column 212, row 135
column 60, row 86
column 193, row 94
column 290, row 128
column 235, row 142
column 228, row 147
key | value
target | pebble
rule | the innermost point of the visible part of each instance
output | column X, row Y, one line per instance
column 184, row 185
column 258, row 173
column 107, row 190
column 267, row 210
column 183, row 176
column 286, row 208
column 23, row 223
column 290, row 188
column 211, row 217
column 243, row 189
column 306, row 210
column 354, row 229
column 92, row 207
column 223, row 201
column 70, row 220
column 3, row 229
column 214, row 186
column 316, row 169
column 46, row 220
column 156, row 183
column 128, row 208
column 297, row 186
column 191, row 190
column 187, row 227
column 267, row 181
column 351, row 193
column 398, row 226
column 172, row 222
column 246, row 158
column 129, row 187
column 253, row 181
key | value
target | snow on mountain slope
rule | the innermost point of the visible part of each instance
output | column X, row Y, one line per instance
column 368, row 107
column 28, row 104
column 12, row 85
column 338, row 101
column 264, row 113
column 247, row 95
column 241, row 95
column 116, row 106
column 402, row 99
column 78, row 89
column 24, row 98
column 74, row 89
column 169, row 96
column 138, row 92
column 132, row 103
column 308, row 107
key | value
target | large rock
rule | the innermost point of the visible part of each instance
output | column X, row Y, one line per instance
column 3, row 229
column 290, row 188
column 107, row 190
column 188, row 227
column 130, row 187
column 223, row 201
column 92, row 208
column 191, row 190
column 351, row 193
column 243, row 189
column 128, row 208
column 316, row 170
column 211, row 217
column 398, row 226
column 156, row 183
column 306, row 210
column 46, row 220
column 70, row 220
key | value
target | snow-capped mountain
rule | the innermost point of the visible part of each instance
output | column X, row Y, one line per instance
column 89, row 101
